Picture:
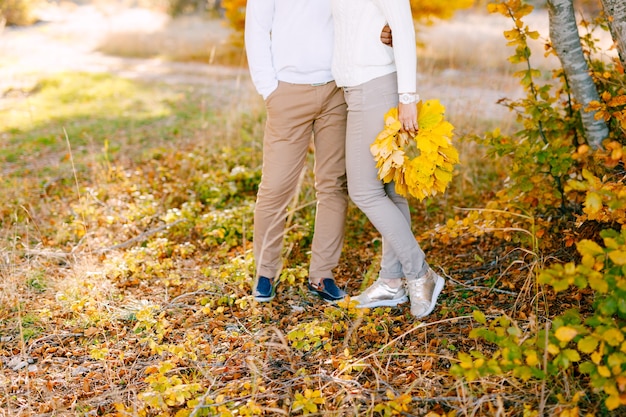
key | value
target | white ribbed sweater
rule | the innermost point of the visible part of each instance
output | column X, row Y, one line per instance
column 359, row 55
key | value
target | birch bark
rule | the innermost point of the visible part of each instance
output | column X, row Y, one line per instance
column 615, row 11
column 566, row 43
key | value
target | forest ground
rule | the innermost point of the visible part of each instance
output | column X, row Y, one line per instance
column 91, row 319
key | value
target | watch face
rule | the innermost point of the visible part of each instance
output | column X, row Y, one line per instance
column 408, row 98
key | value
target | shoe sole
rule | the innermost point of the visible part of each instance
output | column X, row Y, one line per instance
column 328, row 300
column 433, row 302
column 384, row 303
column 263, row 299
column 324, row 296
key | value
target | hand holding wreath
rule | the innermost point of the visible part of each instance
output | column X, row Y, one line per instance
column 431, row 170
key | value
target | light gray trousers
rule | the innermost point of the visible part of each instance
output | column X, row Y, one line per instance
column 387, row 210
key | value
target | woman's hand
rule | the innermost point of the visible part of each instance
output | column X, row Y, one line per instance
column 407, row 115
column 386, row 37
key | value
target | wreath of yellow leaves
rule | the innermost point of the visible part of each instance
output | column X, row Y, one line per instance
column 430, row 171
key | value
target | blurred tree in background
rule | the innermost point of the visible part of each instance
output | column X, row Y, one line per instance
column 424, row 11
column 179, row 7
column 17, row 12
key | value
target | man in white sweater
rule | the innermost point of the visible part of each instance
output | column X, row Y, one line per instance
column 289, row 44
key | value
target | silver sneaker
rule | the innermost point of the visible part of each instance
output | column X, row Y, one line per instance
column 423, row 293
column 380, row 294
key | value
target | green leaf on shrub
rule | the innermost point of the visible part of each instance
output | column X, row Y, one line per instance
column 618, row 257
column 479, row 316
column 587, row 344
column 616, row 359
column 608, row 306
column 571, row 354
column 597, row 282
column 587, row 367
column 613, row 337
column 611, row 243
column 589, row 247
column 565, row 333
column 522, row 372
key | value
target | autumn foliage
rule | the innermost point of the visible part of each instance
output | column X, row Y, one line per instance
column 126, row 270
column 564, row 188
column 428, row 172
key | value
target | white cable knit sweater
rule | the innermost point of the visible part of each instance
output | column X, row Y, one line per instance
column 359, row 55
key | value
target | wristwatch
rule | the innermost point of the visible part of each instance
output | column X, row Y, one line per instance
column 409, row 98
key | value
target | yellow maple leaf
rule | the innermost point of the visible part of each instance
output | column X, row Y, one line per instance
column 422, row 166
column 446, row 166
column 385, row 169
column 430, row 114
column 391, row 116
column 403, row 139
column 440, row 186
column 443, row 176
column 386, row 144
column 397, row 158
column 425, row 143
column 450, row 153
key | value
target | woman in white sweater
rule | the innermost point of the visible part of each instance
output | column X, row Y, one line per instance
column 376, row 77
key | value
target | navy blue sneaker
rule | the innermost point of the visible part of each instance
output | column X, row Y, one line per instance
column 265, row 290
column 328, row 290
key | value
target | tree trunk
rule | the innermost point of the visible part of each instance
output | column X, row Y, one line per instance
column 615, row 11
column 566, row 43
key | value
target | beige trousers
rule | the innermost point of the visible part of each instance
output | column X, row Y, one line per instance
column 295, row 114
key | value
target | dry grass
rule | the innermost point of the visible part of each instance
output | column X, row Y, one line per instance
column 473, row 41
column 150, row 34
